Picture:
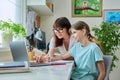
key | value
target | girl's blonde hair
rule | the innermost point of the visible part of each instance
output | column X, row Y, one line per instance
column 82, row 25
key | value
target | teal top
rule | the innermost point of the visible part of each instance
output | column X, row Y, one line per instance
column 85, row 59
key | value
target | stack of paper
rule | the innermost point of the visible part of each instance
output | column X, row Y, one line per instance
column 8, row 67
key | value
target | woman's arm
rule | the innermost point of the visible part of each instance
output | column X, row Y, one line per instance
column 51, row 45
column 101, row 69
column 51, row 52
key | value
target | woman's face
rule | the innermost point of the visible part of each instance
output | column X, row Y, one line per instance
column 60, row 32
column 77, row 34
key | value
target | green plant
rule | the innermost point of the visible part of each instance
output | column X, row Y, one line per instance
column 109, row 36
column 11, row 28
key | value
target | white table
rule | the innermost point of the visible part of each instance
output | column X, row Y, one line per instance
column 56, row 72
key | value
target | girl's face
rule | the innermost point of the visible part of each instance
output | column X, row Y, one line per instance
column 60, row 32
column 77, row 34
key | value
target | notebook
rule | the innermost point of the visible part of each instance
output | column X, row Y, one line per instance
column 11, row 67
column 11, row 64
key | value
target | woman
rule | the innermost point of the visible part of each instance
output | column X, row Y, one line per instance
column 86, row 53
column 61, row 39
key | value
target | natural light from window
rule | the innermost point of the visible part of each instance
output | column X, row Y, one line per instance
column 10, row 9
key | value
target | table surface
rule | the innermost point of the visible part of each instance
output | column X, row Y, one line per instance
column 54, row 72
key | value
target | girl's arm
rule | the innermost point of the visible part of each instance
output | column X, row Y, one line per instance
column 101, row 69
column 51, row 52
column 64, row 56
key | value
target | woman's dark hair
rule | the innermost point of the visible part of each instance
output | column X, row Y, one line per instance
column 61, row 22
column 82, row 25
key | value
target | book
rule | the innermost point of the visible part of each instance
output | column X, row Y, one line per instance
column 9, row 67
column 11, row 64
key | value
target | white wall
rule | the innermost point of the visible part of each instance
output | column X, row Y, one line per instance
column 63, row 8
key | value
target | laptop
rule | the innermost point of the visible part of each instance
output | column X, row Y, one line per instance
column 19, row 53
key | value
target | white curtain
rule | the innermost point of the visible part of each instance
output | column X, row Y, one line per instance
column 30, row 22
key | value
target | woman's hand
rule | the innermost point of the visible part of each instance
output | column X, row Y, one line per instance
column 43, row 58
column 38, row 59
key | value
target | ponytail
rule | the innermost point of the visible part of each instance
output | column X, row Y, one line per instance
column 82, row 25
column 93, row 39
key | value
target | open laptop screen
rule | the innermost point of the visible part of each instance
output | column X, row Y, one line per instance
column 19, row 51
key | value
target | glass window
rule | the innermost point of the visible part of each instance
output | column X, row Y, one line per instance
column 10, row 9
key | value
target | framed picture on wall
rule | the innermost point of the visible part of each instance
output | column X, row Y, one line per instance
column 111, row 15
column 86, row 8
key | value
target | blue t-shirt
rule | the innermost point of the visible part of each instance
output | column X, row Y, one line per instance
column 85, row 59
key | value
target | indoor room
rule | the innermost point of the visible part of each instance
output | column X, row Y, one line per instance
column 33, row 27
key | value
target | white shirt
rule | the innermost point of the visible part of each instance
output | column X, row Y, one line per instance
column 62, row 48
